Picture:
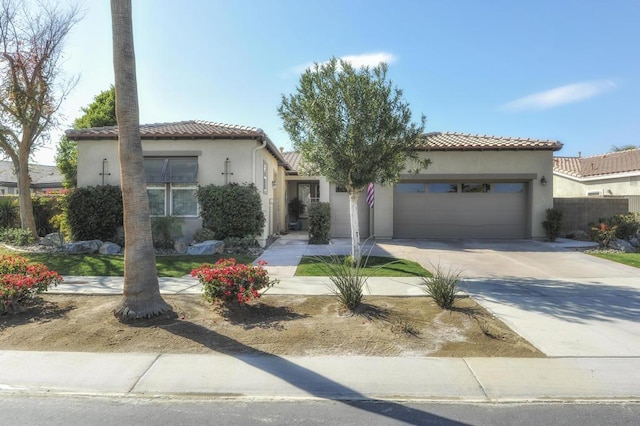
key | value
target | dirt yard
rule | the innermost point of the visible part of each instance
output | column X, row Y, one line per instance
column 281, row 325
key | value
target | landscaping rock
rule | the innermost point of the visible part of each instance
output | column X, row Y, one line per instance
column 83, row 247
column 578, row 234
column 622, row 245
column 51, row 240
column 180, row 245
column 206, row 247
column 634, row 241
column 109, row 248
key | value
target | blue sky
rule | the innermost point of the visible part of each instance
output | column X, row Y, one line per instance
column 564, row 70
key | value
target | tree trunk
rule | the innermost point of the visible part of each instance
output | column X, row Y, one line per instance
column 355, row 224
column 27, row 220
column 141, row 291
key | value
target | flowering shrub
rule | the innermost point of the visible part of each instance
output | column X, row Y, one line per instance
column 603, row 234
column 20, row 280
column 229, row 281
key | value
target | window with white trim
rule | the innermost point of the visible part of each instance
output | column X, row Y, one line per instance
column 171, row 185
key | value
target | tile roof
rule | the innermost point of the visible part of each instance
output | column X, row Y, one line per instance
column 599, row 165
column 452, row 141
column 192, row 129
column 41, row 176
column 183, row 129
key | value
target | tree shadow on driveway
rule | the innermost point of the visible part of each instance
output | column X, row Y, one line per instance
column 569, row 300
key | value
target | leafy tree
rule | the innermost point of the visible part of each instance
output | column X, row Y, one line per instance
column 101, row 112
column 628, row 147
column 31, row 88
column 353, row 127
column 141, row 291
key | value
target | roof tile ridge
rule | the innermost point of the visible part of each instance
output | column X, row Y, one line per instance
column 230, row 126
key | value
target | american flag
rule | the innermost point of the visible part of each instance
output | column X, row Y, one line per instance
column 370, row 194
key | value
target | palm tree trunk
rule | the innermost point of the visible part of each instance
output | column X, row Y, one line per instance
column 141, row 291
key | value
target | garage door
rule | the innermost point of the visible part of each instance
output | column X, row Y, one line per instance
column 460, row 210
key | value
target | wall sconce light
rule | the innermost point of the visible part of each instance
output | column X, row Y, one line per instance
column 274, row 183
column 543, row 181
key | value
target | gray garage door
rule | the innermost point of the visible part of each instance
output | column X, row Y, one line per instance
column 460, row 210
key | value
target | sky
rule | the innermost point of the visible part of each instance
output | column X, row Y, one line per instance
column 545, row 69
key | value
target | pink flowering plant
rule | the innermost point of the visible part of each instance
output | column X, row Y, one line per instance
column 228, row 281
column 21, row 280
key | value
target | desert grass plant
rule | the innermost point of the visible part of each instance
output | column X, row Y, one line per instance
column 21, row 280
column 442, row 286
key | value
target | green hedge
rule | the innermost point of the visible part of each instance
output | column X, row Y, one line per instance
column 319, row 223
column 231, row 210
column 94, row 212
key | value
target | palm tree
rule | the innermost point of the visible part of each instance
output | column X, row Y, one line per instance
column 141, row 292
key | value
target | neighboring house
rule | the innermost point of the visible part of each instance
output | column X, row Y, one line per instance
column 43, row 178
column 476, row 187
column 180, row 156
column 614, row 173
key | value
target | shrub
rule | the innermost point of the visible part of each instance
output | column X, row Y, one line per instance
column 627, row 225
column 442, row 286
column 44, row 209
column 347, row 279
column 603, row 234
column 94, row 212
column 319, row 223
column 553, row 224
column 20, row 280
column 204, row 234
column 231, row 210
column 8, row 212
column 17, row 236
column 164, row 229
column 227, row 281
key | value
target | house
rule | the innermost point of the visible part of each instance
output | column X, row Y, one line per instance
column 43, row 178
column 180, row 156
column 477, row 186
column 614, row 173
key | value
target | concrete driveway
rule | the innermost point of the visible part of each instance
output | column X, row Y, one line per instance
column 564, row 302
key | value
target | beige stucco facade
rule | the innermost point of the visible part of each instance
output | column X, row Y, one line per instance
column 565, row 186
column 247, row 161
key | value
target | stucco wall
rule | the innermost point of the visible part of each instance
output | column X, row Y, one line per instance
column 528, row 166
column 212, row 155
column 567, row 187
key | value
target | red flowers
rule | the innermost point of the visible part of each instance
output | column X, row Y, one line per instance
column 229, row 281
column 20, row 280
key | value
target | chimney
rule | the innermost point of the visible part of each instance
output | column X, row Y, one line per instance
column 579, row 154
column 282, row 149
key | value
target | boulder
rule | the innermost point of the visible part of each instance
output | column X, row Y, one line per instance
column 180, row 245
column 622, row 245
column 206, row 247
column 634, row 241
column 578, row 234
column 109, row 248
column 83, row 247
column 51, row 240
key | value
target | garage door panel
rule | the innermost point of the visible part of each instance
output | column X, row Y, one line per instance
column 460, row 215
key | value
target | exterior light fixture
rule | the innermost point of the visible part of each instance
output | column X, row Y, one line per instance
column 543, row 181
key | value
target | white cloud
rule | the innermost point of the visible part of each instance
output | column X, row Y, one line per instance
column 570, row 93
column 362, row 60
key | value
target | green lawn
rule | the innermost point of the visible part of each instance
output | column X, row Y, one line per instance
column 113, row 265
column 631, row 259
column 314, row 266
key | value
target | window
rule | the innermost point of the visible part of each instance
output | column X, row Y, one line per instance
column 411, row 188
column 508, row 188
column 171, row 185
column 340, row 188
column 476, row 187
column 442, row 188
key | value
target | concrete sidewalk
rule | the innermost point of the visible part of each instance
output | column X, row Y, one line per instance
column 336, row 378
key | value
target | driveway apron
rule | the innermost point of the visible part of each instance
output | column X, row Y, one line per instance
column 564, row 302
